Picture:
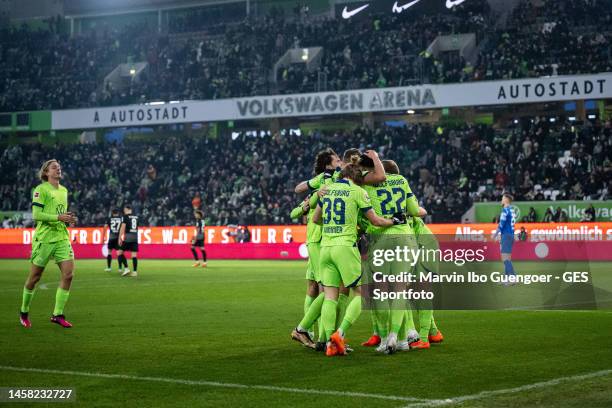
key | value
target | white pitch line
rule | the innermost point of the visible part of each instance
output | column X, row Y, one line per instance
column 486, row 394
column 215, row 384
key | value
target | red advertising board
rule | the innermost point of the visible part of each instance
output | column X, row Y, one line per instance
column 550, row 241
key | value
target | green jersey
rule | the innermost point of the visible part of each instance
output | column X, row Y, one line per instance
column 47, row 203
column 319, row 180
column 313, row 230
column 389, row 197
column 341, row 207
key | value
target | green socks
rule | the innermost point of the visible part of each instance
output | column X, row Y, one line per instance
column 353, row 311
column 382, row 319
column 312, row 313
column 321, row 329
column 397, row 317
column 61, row 297
column 425, row 316
column 433, row 330
column 26, row 299
column 403, row 333
column 328, row 315
column 375, row 329
column 307, row 302
column 342, row 303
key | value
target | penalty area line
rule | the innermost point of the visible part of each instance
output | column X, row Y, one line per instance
column 215, row 384
column 515, row 390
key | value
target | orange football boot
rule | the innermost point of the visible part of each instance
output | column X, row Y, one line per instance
column 337, row 339
column 331, row 350
column 436, row 338
column 419, row 345
column 373, row 341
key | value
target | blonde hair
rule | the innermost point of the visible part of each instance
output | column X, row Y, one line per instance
column 42, row 173
column 353, row 172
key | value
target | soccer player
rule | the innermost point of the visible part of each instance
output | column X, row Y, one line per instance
column 128, row 241
column 506, row 232
column 51, row 240
column 340, row 260
column 427, row 325
column 326, row 171
column 198, row 239
column 313, row 294
column 391, row 197
column 113, row 224
column 327, row 167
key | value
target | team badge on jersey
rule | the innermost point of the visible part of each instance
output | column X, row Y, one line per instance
column 36, row 194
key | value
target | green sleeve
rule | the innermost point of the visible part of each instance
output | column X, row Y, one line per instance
column 412, row 204
column 363, row 200
column 297, row 212
column 314, row 199
column 39, row 215
column 315, row 182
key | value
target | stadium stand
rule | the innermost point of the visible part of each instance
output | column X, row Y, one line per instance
column 250, row 180
column 209, row 55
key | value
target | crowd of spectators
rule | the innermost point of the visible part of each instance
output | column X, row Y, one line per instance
column 556, row 38
column 206, row 55
column 250, row 180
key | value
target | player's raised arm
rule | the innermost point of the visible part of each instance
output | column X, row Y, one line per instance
column 302, row 187
column 378, row 174
column 301, row 209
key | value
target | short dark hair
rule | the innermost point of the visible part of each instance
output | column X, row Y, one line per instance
column 508, row 196
column 365, row 161
column 115, row 211
column 323, row 159
column 390, row 167
column 127, row 207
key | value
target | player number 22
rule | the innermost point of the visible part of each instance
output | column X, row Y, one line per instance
column 400, row 196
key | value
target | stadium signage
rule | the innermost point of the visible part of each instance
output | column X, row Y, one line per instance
column 574, row 210
column 584, row 87
column 533, row 90
column 337, row 102
column 120, row 116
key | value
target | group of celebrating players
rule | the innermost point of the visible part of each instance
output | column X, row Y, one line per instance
column 359, row 204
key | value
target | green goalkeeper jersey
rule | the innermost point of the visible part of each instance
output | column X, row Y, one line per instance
column 47, row 203
column 389, row 197
column 313, row 230
column 341, row 207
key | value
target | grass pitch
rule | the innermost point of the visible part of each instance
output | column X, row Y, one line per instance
column 183, row 336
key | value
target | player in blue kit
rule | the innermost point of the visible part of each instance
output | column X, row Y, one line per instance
column 506, row 232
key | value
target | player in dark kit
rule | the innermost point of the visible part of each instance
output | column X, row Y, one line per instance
column 198, row 239
column 113, row 224
column 128, row 241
